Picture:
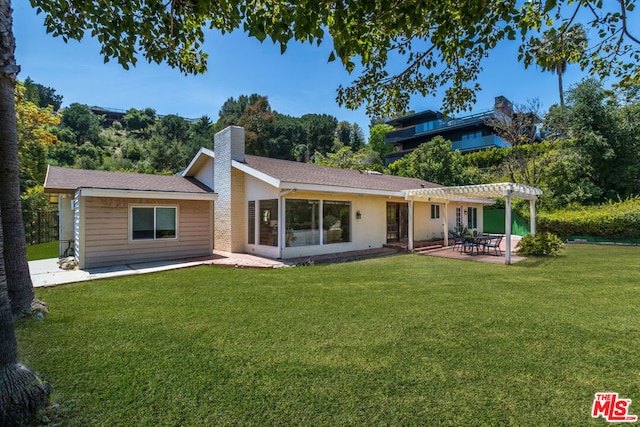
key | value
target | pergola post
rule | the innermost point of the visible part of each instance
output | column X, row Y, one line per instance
column 446, row 224
column 507, row 227
column 410, row 244
column 532, row 215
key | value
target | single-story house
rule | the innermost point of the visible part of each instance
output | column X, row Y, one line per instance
column 229, row 201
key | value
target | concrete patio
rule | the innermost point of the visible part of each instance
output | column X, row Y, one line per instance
column 47, row 273
column 456, row 253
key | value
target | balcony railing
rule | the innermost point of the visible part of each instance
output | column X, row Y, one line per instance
column 408, row 132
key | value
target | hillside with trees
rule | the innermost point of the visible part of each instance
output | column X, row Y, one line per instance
column 145, row 142
column 588, row 153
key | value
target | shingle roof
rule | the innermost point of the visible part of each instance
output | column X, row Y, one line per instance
column 65, row 180
column 305, row 173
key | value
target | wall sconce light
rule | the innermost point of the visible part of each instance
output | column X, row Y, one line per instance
column 358, row 215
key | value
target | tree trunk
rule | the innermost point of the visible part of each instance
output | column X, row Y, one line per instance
column 22, row 392
column 20, row 287
column 560, row 71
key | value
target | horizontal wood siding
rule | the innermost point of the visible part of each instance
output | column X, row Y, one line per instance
column 107, row 228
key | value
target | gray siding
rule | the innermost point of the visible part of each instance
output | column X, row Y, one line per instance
column 107, row 228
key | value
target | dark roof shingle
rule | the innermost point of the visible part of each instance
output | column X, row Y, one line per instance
column 66, row 180
column 306, row 173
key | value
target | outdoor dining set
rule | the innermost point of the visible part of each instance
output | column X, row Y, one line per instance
column 477, row 243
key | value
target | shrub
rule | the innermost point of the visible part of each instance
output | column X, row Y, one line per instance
column 616, row 221
column 542, row 244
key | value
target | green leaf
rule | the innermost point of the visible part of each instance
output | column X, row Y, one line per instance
column 549, row 4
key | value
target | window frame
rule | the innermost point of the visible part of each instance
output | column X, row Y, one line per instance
column 472, row 217
column 315, row 233
column 325, row 231
column 155, row 221
column 435, row 211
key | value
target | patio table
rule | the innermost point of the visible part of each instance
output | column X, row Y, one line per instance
column 476, row 242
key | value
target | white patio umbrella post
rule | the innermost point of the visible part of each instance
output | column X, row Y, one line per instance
column 507, row 226
column 410, row 244
column 532, row 215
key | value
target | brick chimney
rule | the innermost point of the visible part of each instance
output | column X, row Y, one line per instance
column 503, row 105
column 229, row 209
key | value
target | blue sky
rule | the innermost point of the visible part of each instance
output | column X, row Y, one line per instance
column 299, row 82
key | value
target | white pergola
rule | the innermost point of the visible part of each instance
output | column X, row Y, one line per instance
column 445, row 195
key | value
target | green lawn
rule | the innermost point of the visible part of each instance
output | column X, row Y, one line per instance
column 43, row 251
column 404, row 340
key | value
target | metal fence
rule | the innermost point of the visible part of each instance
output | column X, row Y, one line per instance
column 40, row 226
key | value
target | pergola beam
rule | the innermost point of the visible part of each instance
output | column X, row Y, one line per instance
column 508, row 190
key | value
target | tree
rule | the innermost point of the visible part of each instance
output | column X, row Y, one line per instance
column 232, row 110
column 349, row 135
column 378, row 141
column 519, row 129
column 443, row 43
column 82, row 122
column 34, row 125
column 559, row 48
column 139, row 120
column 604, row 135
column 256, row 120
column 21, row 391
column 41, row 95
column 288, row 138
column 320, row 132
column 173, row 127
column 432, row 161
column 345, row 158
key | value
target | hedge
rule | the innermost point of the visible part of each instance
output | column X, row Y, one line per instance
column 618, row 221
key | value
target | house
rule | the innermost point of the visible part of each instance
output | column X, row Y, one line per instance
column 111, row 218
column 229, row 201
column 467, row 133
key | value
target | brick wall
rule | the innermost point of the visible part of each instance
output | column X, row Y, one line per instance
column 229, row 209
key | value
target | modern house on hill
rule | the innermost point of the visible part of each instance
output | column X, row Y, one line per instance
column 467, row 133
column 229, row 201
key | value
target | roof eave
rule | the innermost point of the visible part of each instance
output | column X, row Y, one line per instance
column 145, row 194
column 197, row 160
column 317, row 188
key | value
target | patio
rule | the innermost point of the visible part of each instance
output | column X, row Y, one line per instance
column 446, row 195
column 455, row 253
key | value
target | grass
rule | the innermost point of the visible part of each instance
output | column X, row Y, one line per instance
column 405, row 340
column 42, row 251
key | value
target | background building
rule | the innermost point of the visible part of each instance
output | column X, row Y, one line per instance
column 467, row 134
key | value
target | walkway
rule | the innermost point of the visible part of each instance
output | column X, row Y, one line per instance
column 47, row 273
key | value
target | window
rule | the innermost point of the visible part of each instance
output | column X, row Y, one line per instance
column 435, row 211
column 458, row 218
column 303, row 222
column 423, row 127
column 336, row 222
column 472, row 218
column 251, row 225
column 269, row 222
column 472, row 135
column 152, row 223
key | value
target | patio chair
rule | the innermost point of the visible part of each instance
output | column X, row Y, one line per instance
column 457, row 240
column 495, row 244
column 469, row 244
